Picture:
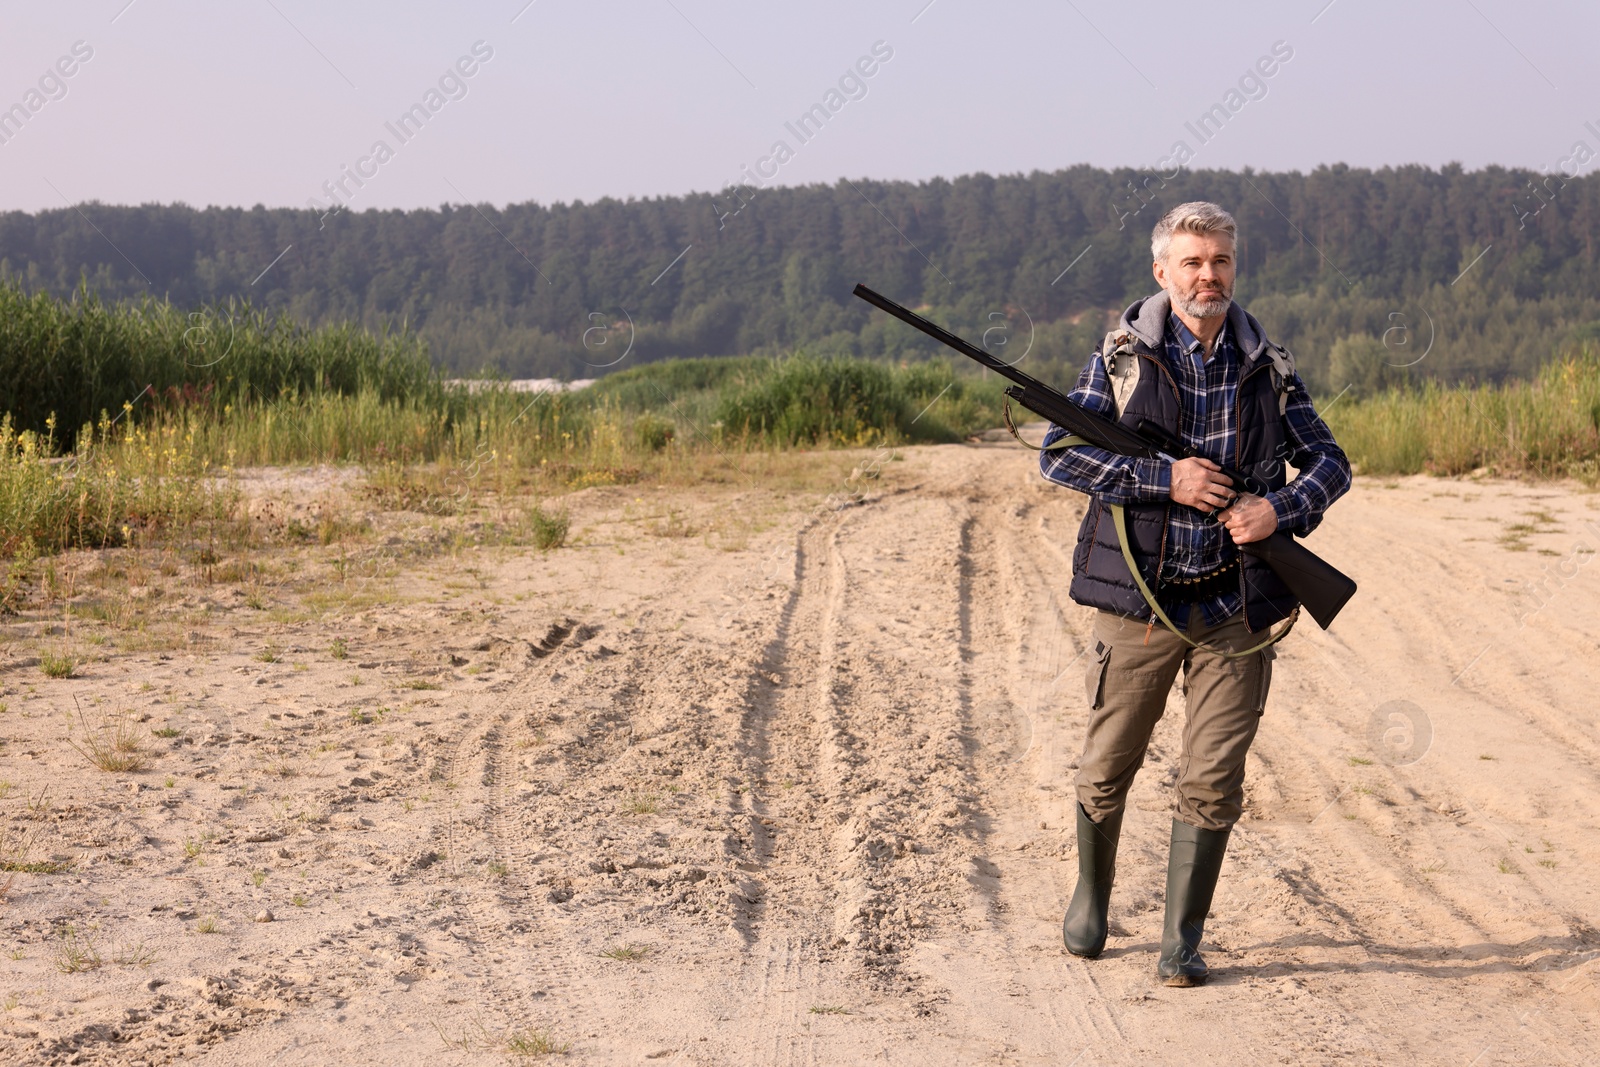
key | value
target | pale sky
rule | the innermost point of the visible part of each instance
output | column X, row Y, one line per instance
column 262, row 101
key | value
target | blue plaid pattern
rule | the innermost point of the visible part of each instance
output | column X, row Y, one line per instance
column 1196, row 544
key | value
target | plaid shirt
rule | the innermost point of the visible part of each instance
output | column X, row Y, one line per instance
column 1196, row 544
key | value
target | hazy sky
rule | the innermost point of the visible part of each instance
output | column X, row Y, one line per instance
column 262, row 101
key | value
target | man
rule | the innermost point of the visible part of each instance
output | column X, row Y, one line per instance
column 1192, row 361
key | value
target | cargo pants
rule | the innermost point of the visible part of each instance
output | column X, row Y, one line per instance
column 1128, row 683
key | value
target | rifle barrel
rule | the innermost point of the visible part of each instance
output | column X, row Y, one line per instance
column 944, row 336
column 1314, row 582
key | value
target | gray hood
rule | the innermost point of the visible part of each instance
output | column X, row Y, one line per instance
column 1146, row 319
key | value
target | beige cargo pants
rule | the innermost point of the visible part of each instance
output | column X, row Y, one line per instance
column 1128, row 683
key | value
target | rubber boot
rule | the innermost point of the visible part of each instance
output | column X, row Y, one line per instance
column 1084, row 929
column 1193, row 864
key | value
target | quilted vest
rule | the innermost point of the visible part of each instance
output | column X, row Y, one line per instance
column 1100, row 576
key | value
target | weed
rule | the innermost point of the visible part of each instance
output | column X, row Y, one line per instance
column 279, row 765
column 193, row 848
column 57, row 664
column 257, row 877
column 529, row 1043
column 1486, row 757
column 339, row 650
column 420, row 683
column 497, row 869
column 526, row 1044
column 15, row 852
column 170, row 782
column 549, row 528
column 643, row 804
column 75, row 952
column 207, row 925
column 627, row 953
column 299, row 900
column 114, row 745
column 1504, row 866
column 1360, row 761
column 830, row 1009
column 135, row 955
column 1547, row 862
column 168, row 731
column 269, row 654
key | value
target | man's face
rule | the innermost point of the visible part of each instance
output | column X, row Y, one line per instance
column 1198, row 273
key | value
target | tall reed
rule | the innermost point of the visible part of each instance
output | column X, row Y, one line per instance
column 80, row 358
column 1548, row 427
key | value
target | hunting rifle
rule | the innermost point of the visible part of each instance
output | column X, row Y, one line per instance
column 1313, row 581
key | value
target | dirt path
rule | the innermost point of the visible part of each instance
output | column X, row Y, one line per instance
column 809, row 801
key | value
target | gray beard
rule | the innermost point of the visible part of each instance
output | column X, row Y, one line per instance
column 1199, row 308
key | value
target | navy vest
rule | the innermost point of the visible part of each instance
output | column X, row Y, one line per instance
column 1100, row 577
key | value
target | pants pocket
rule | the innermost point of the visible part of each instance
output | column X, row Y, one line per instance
column 1095, row 676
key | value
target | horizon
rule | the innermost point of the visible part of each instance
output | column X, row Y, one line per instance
column 1443, row 168
column 526, row 101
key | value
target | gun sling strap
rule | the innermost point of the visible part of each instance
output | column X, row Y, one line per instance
column 1120, row 522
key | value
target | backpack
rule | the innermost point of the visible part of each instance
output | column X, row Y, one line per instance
column 1122, row 367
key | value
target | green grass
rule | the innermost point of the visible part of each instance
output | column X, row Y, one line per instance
column 627, row 953
column 91, row 459
column 549, row 527
column 643, row 804
column 18, row 866
column 113, row 744
column 57, row 664
column 75, row 952
column 1548, row 427
column 529, row 1043
column 72, row 360
column 803, row 400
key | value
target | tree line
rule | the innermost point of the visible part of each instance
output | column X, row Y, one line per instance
column 1400, row 272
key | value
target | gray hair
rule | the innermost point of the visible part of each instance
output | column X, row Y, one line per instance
column 1197, row 216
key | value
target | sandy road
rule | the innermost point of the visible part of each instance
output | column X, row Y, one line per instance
column 809, row 802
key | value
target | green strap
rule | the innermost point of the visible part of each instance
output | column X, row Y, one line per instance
column 1120, row 521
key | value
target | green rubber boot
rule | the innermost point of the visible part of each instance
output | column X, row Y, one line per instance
column 1084, row 929
column 1193, row 864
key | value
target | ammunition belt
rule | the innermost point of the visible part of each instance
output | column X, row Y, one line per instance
column 1225, row 579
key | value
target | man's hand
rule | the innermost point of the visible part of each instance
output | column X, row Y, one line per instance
column 1249, row 518
column 1200, row 483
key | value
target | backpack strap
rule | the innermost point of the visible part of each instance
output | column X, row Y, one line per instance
column 1122, row 366
column 1282, row 374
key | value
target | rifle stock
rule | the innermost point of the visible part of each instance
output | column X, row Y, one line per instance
column 1316, row 583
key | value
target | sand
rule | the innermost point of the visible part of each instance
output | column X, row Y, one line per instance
column 800, row 793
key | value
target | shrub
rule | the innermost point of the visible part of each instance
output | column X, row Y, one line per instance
column 549, row 527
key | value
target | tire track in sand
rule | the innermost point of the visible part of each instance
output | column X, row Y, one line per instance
column 504, row 925
column 1016, row 644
